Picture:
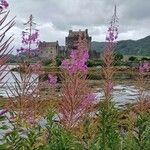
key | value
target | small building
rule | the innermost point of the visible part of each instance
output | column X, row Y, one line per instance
column 73, row 37
column 49, row 50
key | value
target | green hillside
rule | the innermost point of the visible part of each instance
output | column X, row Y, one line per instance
column 139, row 47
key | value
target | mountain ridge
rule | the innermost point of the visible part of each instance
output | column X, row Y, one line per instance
column 127, row 47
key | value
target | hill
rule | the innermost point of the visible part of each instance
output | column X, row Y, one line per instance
column 139, row 47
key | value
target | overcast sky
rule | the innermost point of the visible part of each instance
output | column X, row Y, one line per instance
column 56, row 17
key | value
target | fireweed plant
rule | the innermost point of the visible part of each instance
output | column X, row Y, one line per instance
column 108, row 136
column 77, row 97
column 137, row 123
column 141, row 82
column 24, row 91
column 5, row 27
column 26, row 104
column 21, row 112
column 28, row 100
column 141, row 131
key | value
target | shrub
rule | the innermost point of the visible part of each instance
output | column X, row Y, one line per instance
column 133, row 58
column 145, row 58
column 118, row 57
column 94, row 63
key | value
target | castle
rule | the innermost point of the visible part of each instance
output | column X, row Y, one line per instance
column 73, row 38
column 50, row 50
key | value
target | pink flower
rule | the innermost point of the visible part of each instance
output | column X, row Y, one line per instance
column 77, row 62
column 112, row 34
column 144, row 67
column 3, row 4
column 26, row 38
column 30, row 40
column 52, row 79
column 141, row 70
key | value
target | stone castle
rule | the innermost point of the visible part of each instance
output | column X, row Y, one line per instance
column 50, row 50
column 73, row 38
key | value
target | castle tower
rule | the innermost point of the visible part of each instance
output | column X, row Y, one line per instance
column 76, row 38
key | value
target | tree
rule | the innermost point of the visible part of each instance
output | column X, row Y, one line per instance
column 133, row 58
column 118, row 57
column 145, row 58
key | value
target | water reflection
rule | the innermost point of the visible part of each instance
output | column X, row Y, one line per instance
column 9, row 81
column 122, row 94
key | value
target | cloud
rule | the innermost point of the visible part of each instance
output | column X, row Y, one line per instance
column 56, row 17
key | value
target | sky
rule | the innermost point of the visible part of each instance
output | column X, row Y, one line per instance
column 55, row 18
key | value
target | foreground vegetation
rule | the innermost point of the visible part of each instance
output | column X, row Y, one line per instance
column 42, row 115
